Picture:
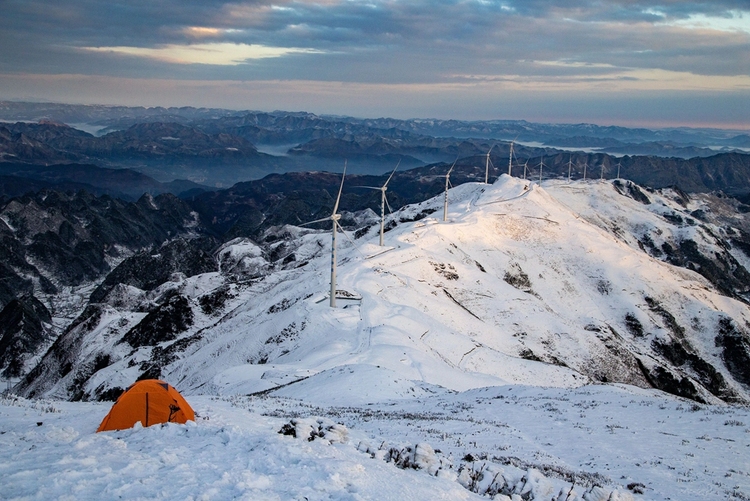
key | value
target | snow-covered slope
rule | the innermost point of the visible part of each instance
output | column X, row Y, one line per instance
column 511, row 443
column 546, row 286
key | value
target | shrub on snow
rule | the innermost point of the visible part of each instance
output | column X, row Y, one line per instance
column 312, row 428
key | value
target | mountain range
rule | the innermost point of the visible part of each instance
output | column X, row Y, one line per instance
column 218, row 148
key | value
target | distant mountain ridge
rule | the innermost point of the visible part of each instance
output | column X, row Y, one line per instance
column 218, row 147
column 128, row 184
column 121, row 117
column 172, row 151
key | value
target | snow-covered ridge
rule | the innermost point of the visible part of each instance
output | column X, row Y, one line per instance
column 523, row 284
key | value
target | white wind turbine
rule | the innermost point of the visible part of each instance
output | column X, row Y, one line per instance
column 447, row 183
column 570, row 165
column 525, row 165
column 541, row 164
column 487, row 166
column 619, row 164
column 334, row 218
column 585, row 164
column 383, row 201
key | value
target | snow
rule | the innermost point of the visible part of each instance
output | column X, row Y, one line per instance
column 544, row 441
column 229, row 453
column 464, row 363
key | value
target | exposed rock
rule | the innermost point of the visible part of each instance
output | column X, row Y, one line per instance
column 60, row 361
column 735, row 346
column 666, row 380
column 681, row 354
column 148, row 270
column 162, row 324
column 23, row 330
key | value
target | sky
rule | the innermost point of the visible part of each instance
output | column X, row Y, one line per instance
column 622, row 62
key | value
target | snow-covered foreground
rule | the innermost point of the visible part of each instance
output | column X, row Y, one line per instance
column 592, row 442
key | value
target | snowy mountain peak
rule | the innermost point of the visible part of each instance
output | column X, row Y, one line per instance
column 557, row 285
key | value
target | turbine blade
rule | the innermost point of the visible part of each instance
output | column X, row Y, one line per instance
column 390, row 211
column 316, row 221
column 338, row 198
column 368, row 187
column 392, row 173
column 350, row 240
column 454, row 164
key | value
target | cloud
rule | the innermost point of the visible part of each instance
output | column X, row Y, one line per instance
column 208, row 53
column 676, row 45
column 731, row 21
column 439, row 33
column 203, row 32
column 610, row 79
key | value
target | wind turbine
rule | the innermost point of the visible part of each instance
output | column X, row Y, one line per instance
column 541, row 164
column 619, row 164
column 384, row 201
column 570, row 165
column 334, row 218
column 510, row 156
column 447, row 182
column 585, row 164
column 524, row 169
column 487, row 166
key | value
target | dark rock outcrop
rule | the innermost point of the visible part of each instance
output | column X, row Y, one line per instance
column 163, row 324
column 148, row 270
column 23, row 330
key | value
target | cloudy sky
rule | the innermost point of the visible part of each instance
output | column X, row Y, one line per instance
column 628, row 62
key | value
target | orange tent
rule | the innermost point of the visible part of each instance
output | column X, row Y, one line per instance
column 150, row 401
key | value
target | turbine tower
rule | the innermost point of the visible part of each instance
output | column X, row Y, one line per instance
column 525, row 165
column 619, row 164
column 447, row 182
column 334, row 218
